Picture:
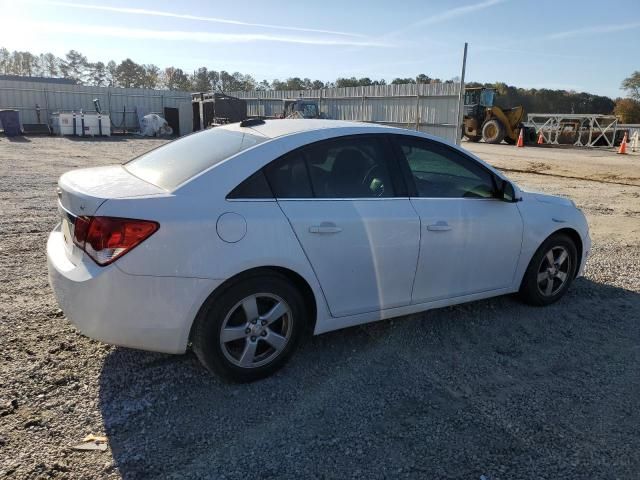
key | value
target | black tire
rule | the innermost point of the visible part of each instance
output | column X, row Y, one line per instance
column 538, row 292
column 493, row 131
column 226, row 306
column 473, row 138
column 530, row 136
column 509, row 141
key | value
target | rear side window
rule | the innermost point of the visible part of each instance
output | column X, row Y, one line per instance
column 288, row 177
column 182, row 159
column 255, row 186
column 349, row 167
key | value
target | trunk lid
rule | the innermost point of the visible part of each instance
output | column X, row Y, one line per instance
column 82, row 191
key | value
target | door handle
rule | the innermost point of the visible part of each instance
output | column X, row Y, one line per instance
column 439, row 227
column 325, row 227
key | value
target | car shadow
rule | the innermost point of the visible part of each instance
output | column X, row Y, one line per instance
column 18, row 139
column 459, row 392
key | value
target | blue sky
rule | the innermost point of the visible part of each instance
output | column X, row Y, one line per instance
column 579, row 45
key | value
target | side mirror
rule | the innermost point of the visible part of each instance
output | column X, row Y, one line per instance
column 506, row 191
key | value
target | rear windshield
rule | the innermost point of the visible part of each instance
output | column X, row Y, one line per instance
column 178, row 161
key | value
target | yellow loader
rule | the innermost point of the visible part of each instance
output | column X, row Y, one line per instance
column 486, row 121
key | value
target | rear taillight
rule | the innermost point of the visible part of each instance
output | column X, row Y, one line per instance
column 106, row 239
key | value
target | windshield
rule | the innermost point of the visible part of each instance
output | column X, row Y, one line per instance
column 178, row 161
column 486, row 98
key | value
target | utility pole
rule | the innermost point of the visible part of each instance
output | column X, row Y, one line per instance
column 461, row 97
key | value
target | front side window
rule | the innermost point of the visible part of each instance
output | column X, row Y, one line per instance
column 440, row 172
column 178, row 161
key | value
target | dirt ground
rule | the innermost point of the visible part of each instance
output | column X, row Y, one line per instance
column 491, row 389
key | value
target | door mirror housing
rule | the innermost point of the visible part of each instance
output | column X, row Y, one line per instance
column 506, row 191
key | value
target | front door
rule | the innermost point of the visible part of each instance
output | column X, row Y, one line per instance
column 361, row 238
column 470, row 240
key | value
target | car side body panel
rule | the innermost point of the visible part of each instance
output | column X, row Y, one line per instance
column 212, row 239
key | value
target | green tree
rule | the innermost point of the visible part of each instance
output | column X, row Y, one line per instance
column 175, row 79
column 294, row 83
column 263, row 86
column 400, row 81
column 277, row 84
column 112, row 69
column 627, row 110
column 5, row 61
column 29, row 64
column 357, row 82
column 97, row 74
column 16, row 63
column 51, row 65
column 129, row 74
column 151, row 76
column 243, row 82
column 74, row 66
column 200, row 80
column 632, row 85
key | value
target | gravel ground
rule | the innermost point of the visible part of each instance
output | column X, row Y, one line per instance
column 492, row 388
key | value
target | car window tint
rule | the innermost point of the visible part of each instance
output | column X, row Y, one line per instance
column 255, row 186
column 349, row 168
column 441, row 172
column 182, row 159
column 288, row 177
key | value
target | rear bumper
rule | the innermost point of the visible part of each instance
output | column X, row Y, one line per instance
column 106, row 304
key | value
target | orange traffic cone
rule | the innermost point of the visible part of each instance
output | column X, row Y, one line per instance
column 540, row 138
column 623, row 145
column 520, row 139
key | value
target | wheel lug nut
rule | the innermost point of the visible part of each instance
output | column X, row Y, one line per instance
column 253, row 338
column 263, row 322
column 254, row 321
column 247, row 331
column 264, row 334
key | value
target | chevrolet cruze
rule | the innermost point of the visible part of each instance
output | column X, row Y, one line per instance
column 237, row 240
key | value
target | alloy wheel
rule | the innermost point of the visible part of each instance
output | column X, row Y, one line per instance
column 256, row 330
column 553, row 272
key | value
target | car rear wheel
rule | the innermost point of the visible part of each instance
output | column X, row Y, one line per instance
column 550, row 271
column 250, row 329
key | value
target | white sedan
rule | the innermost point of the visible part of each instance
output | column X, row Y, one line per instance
column 237, row 240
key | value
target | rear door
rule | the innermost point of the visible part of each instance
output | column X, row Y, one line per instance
column 470, row 240
column 346, row 202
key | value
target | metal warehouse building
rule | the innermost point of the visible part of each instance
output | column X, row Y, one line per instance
column 37, row 99
column 432, row 108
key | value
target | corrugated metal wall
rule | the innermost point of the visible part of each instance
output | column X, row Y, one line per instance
column 53, row 97
column 430, row 108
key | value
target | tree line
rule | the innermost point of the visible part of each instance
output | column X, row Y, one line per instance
column 129, row 74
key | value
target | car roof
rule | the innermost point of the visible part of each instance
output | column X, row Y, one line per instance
column 287, row 126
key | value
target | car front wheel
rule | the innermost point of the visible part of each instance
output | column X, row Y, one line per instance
column 250, row 329
column 550, row 272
